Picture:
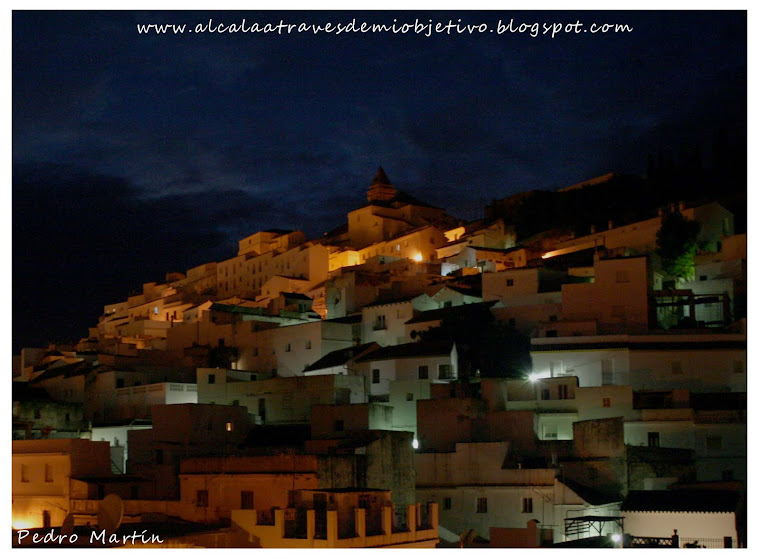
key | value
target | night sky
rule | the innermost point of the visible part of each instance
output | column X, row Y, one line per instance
column 135, row 155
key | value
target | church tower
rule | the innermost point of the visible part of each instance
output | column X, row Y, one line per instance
column 381, row 189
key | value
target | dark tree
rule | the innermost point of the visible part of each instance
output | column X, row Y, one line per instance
column 677, row 245
column 483, row 343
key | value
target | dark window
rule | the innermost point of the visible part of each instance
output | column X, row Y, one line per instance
column 728, row 542
column 653, row 439
column 201, row 498
column 246, row 500
column 445, row 372
column 527, row 504
column 422, row 372
column 119, row 383
column 135, row 492
column 159, row 456
column 512, row 323
column 562, row 392
column 447, row 503
column 46, row 523
column 727, row 475
column 37, row 414
column 551, row 333
column 546, row 394
column 68, row 417
column 410, row 396
column 482, row 505
column 339, row 425
column 263, row 409
column 447, row 304
column 510, row 282
column 375, row 376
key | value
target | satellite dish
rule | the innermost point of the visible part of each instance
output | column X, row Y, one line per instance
column 110, row 513
column 67, row 528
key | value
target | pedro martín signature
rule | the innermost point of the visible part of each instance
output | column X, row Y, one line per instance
column 101, row 537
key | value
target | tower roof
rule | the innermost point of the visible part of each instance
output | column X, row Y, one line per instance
column 381, row 189
column 381, row 177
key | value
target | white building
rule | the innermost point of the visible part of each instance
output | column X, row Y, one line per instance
column 697, row 362
column 426, row 361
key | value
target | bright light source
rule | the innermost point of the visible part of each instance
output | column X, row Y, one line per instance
column 417, row 257
column 415, row 443
column 616, row 537
column 533, row 377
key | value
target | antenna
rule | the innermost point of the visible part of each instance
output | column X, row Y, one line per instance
column 110, row 513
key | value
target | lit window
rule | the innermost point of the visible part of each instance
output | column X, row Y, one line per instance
column 155, row 310
column 229, row 426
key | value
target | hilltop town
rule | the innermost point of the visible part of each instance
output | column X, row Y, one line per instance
column 410, row 379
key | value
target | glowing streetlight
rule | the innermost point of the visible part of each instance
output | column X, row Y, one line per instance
column 417, row 257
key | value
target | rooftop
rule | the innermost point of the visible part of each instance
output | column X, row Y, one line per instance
column 340, row 357
column 404, row 351
column 693, row 500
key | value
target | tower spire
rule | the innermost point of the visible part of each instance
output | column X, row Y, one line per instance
column 381, row 189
